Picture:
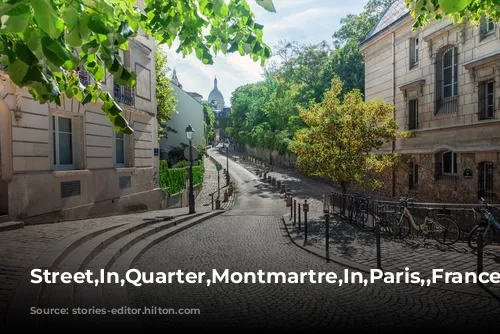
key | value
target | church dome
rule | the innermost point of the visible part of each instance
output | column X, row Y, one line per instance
column 216, row 95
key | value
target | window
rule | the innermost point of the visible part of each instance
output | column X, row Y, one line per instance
column 62, row 140
column 490, row 25
column 413, row 175
column 485, row 180
column 450, row 84
column 449, row 163
column 486, row 99
column 413, row 115
column 446, row 80
column 446, row 167
column 119, row 149
column 414, row 50
column 124, row 94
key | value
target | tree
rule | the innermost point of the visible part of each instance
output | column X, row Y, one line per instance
column 165, row 100
column 208, row 122
column 341, row 140
column 44, row 42
column 425, row 11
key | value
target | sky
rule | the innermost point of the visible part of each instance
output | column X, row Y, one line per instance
column 305, row 21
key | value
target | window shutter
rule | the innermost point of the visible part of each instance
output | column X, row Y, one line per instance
column 481, row 100
column 412, row 52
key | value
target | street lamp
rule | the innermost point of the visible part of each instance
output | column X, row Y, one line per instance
column 227, row 162
column 189, row 135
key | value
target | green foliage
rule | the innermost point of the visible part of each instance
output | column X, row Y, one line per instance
column 266, row 114
column 165, row 100
column 176, row 154
column 44, row 42
column 341, row 139
column 209, row 123
column 180, row 164
column 424, row 11
column 174, row 179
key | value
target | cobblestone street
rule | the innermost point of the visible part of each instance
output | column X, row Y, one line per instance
column 252, row 237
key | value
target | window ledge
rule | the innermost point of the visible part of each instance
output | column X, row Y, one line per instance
column 125, row 170
column 70, row 173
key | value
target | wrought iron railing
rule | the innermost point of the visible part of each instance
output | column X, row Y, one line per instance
column 85, row 77
column 124, row 94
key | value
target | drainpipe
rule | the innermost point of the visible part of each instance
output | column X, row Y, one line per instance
column 6, row 142
column 394, row 104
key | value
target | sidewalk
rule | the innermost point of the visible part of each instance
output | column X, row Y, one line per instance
column 358, row 247
column 20, row 248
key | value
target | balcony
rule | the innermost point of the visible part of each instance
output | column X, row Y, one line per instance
column 124, row 94
column 85, row 77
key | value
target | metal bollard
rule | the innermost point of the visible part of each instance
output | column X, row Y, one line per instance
column 300, row 229
column 379, row 255
column 273, row 181
column 278, row 184
column 294, row 212
column 269, row 179
column 217, row 204
column 305, row 208
column 327, row 237
column 225, row 196
column 283, row 187
column 479, row 253
column 212, row 201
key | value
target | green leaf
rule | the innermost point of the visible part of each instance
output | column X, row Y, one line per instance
column 233, row 48
column 97, row 25
column 17, row 71
column 267, row 5
column 70, row 17
column 73, row 38
column 32, row 39
column 24, row 53
column 14, row 24
column 47, row 18
column 87, row 99
column 57, row 54
column 454, row 6
column 125, row 31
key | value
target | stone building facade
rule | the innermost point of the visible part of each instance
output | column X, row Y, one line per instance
column 444, row 82
column 67, row 162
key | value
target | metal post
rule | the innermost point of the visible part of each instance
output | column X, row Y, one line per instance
column 479, row 253
column 218, row 184
column 212, row 195
column 305, row 222
column 191, row 190
column 294, row 211
column 327, row 237
column 379, row 255
column 299, row 218
column 227, row 164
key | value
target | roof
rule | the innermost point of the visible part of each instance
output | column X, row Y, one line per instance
column 396, row 11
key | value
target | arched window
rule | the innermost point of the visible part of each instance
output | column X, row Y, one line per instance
column 446, row 80
column 446, row 166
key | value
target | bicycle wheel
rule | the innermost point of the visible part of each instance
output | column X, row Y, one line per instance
column 364, row 220
column 401, row 227
column 389, row 222
column 445, row 231
column 472, row 239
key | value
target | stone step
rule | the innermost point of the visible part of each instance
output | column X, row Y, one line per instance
column 4, row 219
column 112, row 295
column 11, row 225
column 62, row 296
column 28, row 294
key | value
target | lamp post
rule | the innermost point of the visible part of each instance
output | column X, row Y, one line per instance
column 227, row 162
column 189, row 135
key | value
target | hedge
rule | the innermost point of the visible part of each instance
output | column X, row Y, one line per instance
column 174, row 179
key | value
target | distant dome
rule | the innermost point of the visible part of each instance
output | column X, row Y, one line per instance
column 216, row 95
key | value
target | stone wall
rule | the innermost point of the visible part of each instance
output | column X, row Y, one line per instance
column 285, row 161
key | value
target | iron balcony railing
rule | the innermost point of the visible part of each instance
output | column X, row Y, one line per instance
column 85, row 77
column 124, row 94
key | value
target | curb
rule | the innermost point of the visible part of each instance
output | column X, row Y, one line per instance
column 481, row 292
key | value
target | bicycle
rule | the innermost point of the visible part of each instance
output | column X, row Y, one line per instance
column 443, row 229
column 384, row 217
column 488, row 226
column 357, row 204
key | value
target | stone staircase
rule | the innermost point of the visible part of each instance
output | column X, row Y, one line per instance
column 103, row 250
column 6, row 224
